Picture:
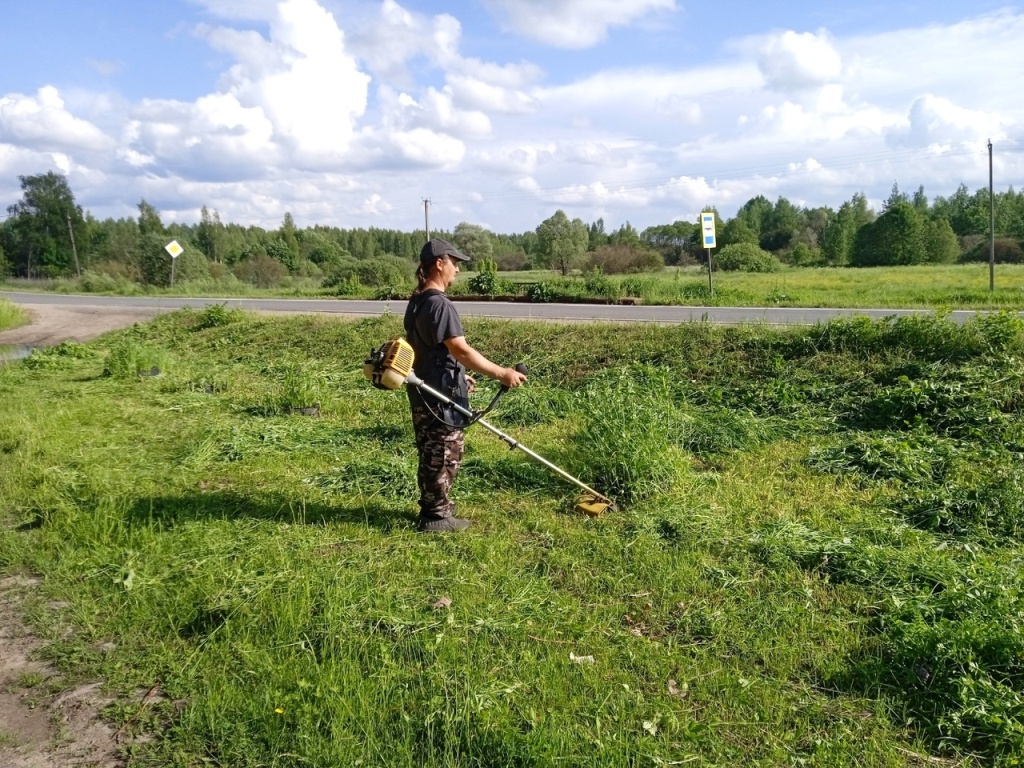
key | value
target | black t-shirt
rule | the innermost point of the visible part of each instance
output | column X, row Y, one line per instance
column 430, row 320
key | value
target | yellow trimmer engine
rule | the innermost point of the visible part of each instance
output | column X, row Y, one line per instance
column 388, row 366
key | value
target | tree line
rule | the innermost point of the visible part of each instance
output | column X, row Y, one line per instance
column 48, row 235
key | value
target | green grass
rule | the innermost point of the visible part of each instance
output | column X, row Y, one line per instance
column 11, row 315
column 952, row 286
column 772, row 590
column 934, row 286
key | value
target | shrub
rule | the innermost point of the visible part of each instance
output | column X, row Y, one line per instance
column 262, row 271
column 192, row 264
column 1008, row 251
column 600, row 285
column 486, row 284
column 625, row 259
column 217, row 315
column 384, row 271
column 540, row 292
column 510, row 260
column 803, row 255
column 745, row 257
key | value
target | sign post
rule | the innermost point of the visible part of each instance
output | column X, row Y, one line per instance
column 707, row 231
column 175, row 250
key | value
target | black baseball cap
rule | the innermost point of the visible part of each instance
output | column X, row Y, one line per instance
column 437, row 248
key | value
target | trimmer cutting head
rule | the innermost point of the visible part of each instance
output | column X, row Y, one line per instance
column 592, row 505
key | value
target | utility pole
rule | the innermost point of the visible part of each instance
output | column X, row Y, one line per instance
column 991, row 225
column 74, row 250
column 426, row 216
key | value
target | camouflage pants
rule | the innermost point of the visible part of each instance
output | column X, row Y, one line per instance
column 440, row 448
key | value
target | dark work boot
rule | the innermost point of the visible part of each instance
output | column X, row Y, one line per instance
column 441, row 524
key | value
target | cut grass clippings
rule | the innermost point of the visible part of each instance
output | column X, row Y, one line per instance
column 804, row 568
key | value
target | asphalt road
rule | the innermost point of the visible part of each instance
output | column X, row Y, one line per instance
column 518, row 311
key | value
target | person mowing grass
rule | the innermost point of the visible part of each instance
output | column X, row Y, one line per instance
column 442, row 355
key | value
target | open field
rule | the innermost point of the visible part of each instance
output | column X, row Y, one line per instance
column 817, row 559
column 952, row 286
column 963, row 286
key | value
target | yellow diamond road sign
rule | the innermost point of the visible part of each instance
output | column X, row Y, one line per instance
column 174, row 249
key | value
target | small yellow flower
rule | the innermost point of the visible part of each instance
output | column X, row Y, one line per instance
column 279, row 711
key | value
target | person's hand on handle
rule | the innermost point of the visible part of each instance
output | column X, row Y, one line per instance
column 511, row 377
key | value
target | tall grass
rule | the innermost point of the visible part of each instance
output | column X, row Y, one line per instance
column 11, row 315
column 816, row 557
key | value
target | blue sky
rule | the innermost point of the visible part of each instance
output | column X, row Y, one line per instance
column 503, row 111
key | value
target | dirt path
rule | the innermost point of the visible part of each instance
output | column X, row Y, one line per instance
column 53, row 324
column 44, row 723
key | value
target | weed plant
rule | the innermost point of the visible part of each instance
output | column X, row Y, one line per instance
column 11, row 315
column 816, row 558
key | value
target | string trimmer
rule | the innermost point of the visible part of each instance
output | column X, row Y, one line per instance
column 390, row 366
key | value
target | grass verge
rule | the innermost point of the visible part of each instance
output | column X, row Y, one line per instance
column 11, row 315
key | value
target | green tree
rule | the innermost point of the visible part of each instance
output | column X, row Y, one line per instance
column 967, row 214
column 562, row 242
column 209, row 235
column 153, row 260
column 941, row 244
column 473, row 240
column 289, row 254
column 672, row 241
column 920, row 201
column 596, row 236
column 41, row 227
column 779, row 226
column 755, row 213
column 626, row 235
column 895, row 239
column 149, row 220
column 895, row 196
column 838, row 237
column 738, row 230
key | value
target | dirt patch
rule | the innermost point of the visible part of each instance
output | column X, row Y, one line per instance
column 53, row 324
column 43, row 724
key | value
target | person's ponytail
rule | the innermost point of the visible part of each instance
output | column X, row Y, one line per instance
column 421, row 278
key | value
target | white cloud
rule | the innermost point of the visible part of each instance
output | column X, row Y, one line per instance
column 792, row 61
column 518, row 159
column 42, row 122
column 215, row 137
column 573, row 23
column 302, row 79
column 934, row 120
column 479, row 94
column 293, row 123
column 425, row 147
column 376, row 205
